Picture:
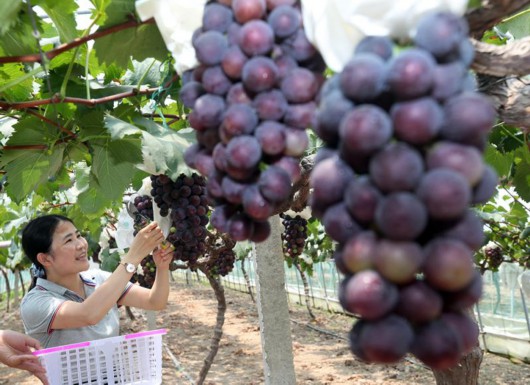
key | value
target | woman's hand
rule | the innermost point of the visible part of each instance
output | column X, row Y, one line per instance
column 163, row 256
column 16, row 352
column 144, row 243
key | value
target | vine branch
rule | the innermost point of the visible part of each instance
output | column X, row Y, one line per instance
column 491, row 13
column 36, row 57
column 56, row 99
column 502, row 60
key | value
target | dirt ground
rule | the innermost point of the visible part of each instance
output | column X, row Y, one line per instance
column 321, row 355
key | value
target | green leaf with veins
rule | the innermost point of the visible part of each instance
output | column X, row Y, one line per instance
column 22, row 85
column 27, row 172
column 147, row 72
column 91, row 201
column 19, row 39
column 517, row 25
column 116, row 11
column 162, row 148
column 62, row 13
column 113, row 176
column 502, row 163
column 8, row 13
column 141, row 43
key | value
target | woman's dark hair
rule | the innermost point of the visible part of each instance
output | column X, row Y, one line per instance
column 37, row 237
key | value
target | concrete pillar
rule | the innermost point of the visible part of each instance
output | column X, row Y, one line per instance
column 273, row 310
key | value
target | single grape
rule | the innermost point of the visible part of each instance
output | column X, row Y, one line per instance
column 363, row 77
column 411, row 73
column 365, row 129
column 210, row 47
column 368, row 295
column 448, row 264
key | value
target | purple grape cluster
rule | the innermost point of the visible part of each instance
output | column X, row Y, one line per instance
column 187, row 205
column 493, row 256
column 252, row 98
column 147, row 277
column 402, row 165
column 294, row 235
column 144, row 205
column 223, row 263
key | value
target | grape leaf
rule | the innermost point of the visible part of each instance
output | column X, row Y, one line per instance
column 162, row 148
column 502, row 163
column 141, row 43
column 26, row 172
column 30, row 130
column 112, row 176
column 21, row 85
column 521, row 179
column 147, row 71
column 506, row 138
column 91, row 201
column 62, row 13
column 76, row 152
column 8, row 14
column 19, row 40
column 119, row 129
column 126, row 150
column 58, row 182
column 116, row 11
column 518, row 25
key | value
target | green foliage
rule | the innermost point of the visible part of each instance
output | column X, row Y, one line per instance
column 62, row 13
column 79, row 155
column 142, row 43
column 319, row 246
column 8, row 12
column 109, row 260
column 518, row 25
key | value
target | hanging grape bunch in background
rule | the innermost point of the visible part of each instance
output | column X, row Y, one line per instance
column 185, row 201
column 294, row 235
column 144, row 205
column 252, row 97
column 221, row 259
column 493, row 257
column 394, row 185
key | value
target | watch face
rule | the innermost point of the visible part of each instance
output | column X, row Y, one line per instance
column 130, row 267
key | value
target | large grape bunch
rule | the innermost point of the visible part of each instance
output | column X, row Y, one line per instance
column 395, row 184
column 294, row 235
column 252, row 97
column 187, row 204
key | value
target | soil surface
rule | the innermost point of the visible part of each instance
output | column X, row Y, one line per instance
column 320, row 348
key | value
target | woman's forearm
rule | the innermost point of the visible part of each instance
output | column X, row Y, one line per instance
column 160, row 291
column 106, row 296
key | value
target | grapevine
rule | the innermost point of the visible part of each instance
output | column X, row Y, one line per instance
column 394, row 186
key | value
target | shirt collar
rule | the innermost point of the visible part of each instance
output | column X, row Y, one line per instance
column 51, row 286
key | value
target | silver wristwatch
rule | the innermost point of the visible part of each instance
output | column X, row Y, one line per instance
column 129, row 267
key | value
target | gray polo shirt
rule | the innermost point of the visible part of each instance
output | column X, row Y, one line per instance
column 40, row 305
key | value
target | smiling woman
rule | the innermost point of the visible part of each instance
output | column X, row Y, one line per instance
column 67, row 303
